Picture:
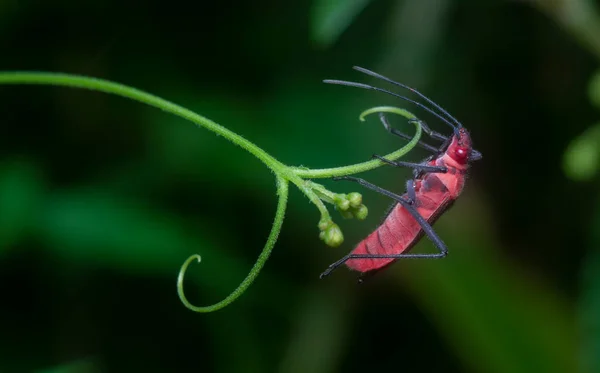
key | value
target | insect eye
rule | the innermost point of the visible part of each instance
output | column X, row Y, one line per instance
column 461, row 153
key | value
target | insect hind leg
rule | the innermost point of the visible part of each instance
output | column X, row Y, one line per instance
column 408, row 205
column 334, row 266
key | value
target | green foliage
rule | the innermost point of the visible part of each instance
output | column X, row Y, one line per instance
column 589, row 303
column 590, row 307
column 101, row 201
column 330, row 18
column 142, row 239
column 594, row 90
column 20, row 196
column 496, row 316
column 82, row 366
column 582, row 157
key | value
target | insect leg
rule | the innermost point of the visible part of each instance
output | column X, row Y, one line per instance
column 410, row 191
column 429, row 131
column 333, row 266
column 406, row 203
column 417, row 166
column 394, row 131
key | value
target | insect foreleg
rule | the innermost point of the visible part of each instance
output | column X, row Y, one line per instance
column 394, row 131
column 434, row 135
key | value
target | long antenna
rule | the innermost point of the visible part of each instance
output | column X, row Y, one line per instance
column 379, row 76
column 365, row 86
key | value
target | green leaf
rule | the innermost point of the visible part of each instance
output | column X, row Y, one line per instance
column 330, row 18
column 309, row 348
column 107, row 229
column 89, row 227
column 79, row 366
column 582, row 157
column 21, row 189
column 594, row 89
column 496, row 317
column 589, row 304
column 589, row 311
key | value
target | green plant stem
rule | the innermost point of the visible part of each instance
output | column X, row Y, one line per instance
column 101, row 85
column 282, row 193
column 284, row 174
column 95, row 84
column 323, row 193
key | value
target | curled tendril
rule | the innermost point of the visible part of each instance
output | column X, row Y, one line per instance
column 388, row 109
column 372, row 164
column 282, row 192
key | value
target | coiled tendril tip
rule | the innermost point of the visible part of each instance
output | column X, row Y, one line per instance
column 181, row 275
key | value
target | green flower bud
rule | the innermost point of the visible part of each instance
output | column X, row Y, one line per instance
column 333, row 236
column 324, row 224
column 347, row 214
column 343, row 205
column 355, row 199
column 361, row 212
column 341, row 202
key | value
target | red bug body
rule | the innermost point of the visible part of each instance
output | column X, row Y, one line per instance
column 438, row 182
column 435, row 193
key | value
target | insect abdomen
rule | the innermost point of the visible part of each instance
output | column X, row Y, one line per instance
column 397, row 234
column 400, row 231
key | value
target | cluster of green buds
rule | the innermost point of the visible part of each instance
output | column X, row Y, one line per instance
column 350, row 206
column 331, row 233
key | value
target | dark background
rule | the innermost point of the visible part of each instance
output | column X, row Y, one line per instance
column 102, row 199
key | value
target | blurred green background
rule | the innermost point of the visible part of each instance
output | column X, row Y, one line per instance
column 102, row 199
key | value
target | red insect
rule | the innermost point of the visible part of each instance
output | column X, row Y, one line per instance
column 438, row 182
